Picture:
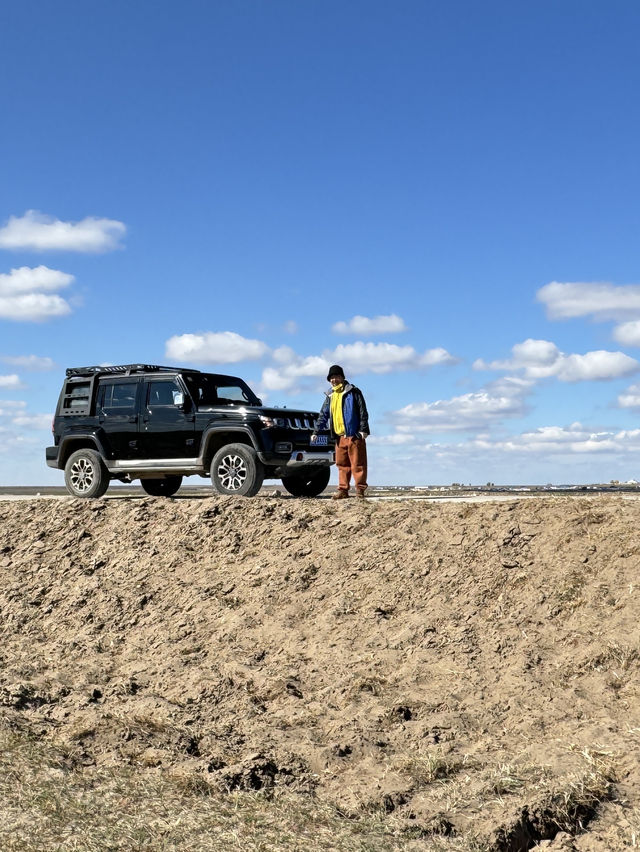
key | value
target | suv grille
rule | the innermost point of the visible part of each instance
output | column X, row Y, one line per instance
column 300, row 422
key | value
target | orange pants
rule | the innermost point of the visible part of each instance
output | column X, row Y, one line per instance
column 351, row 458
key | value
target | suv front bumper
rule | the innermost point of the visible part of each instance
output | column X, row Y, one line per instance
column 302, row 457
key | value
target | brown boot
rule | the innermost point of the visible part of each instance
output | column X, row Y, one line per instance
column 361, row 494
column 340, row 495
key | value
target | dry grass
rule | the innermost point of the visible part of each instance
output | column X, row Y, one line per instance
column 46, row 804
column 427, row 767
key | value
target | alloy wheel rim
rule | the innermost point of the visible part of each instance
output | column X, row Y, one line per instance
column 82, row 475
column 232, row 472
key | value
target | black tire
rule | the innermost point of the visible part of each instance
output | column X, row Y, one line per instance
column 310, row 483
column 236, row 470
column 85, row 475
column 166, row 487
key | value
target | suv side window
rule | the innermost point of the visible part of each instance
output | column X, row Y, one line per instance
column 163, row 393
column 121, row 396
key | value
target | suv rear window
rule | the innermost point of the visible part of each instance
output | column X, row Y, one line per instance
column 120, row 395
column 76, row 395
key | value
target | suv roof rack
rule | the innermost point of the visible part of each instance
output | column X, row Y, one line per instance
column 125, row 369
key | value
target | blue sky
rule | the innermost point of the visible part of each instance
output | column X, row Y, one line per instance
column 442, row 197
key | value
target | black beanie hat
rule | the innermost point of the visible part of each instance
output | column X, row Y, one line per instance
column 336, row 370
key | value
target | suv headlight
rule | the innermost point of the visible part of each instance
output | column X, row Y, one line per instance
column 267, row 422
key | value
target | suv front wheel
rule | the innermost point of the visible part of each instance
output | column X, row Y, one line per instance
column 236, row 470
column 85, row 475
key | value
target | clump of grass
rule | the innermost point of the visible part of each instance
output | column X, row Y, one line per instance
column 426, row 768
column 571, row 806
column 505, row 779
column 620, row 656
column 572, row 803
column 571, row 592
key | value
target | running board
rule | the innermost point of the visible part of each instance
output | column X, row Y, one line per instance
column 134, row 466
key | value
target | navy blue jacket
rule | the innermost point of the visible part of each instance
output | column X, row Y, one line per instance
column 354, row 413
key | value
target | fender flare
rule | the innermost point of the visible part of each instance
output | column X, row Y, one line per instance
column 239, row 429
column 79, row 437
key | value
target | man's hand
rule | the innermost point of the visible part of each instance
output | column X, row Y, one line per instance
column 363, row 435
column 314, row 438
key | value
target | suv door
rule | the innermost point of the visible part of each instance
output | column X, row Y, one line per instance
column 117, row 413
column 167, row 429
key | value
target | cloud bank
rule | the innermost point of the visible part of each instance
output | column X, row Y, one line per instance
column 468, row 412
column 290, row 369
column 541, row 359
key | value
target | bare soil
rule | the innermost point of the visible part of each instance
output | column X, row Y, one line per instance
column 467, row 671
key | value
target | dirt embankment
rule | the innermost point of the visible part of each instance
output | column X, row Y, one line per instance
column 471, row 669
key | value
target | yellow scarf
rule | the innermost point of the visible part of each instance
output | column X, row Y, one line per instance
column 337, row 419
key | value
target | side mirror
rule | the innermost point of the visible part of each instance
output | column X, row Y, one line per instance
column 259, row 401
column 178, row 399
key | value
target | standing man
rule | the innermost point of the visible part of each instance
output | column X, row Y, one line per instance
column 345, row 412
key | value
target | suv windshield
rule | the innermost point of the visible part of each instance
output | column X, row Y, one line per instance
column 208, row 389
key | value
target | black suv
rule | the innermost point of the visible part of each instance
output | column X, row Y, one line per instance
column 158, row 424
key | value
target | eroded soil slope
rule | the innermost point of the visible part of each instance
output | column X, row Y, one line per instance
column 472, row 669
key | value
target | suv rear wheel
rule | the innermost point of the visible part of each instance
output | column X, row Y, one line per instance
column 85, row 475
column 166, row 487
column 236, row 470
column 308, row 484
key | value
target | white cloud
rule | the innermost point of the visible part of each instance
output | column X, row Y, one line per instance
column 15, row 420
column 628, row 333
column 33, row 307
column 595, row 366
column 601, row 300
column 368, row 326
column 630, row 398
column 11, row 381
column 29, row 362
column 21, row 434
column 397, row 439
column 8, row 407
column 36, row 279
column 565, row 440
column 27, row 294
column 222, row 347
column 33, row 421
column 470, row 411
column 290, row 327
column 291, row 368
column 383, row 358
column 38, row 232
column 292, row 372
column 541, row 359
column 548, row 453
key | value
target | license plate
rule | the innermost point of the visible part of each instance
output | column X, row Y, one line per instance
column 321, row 441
